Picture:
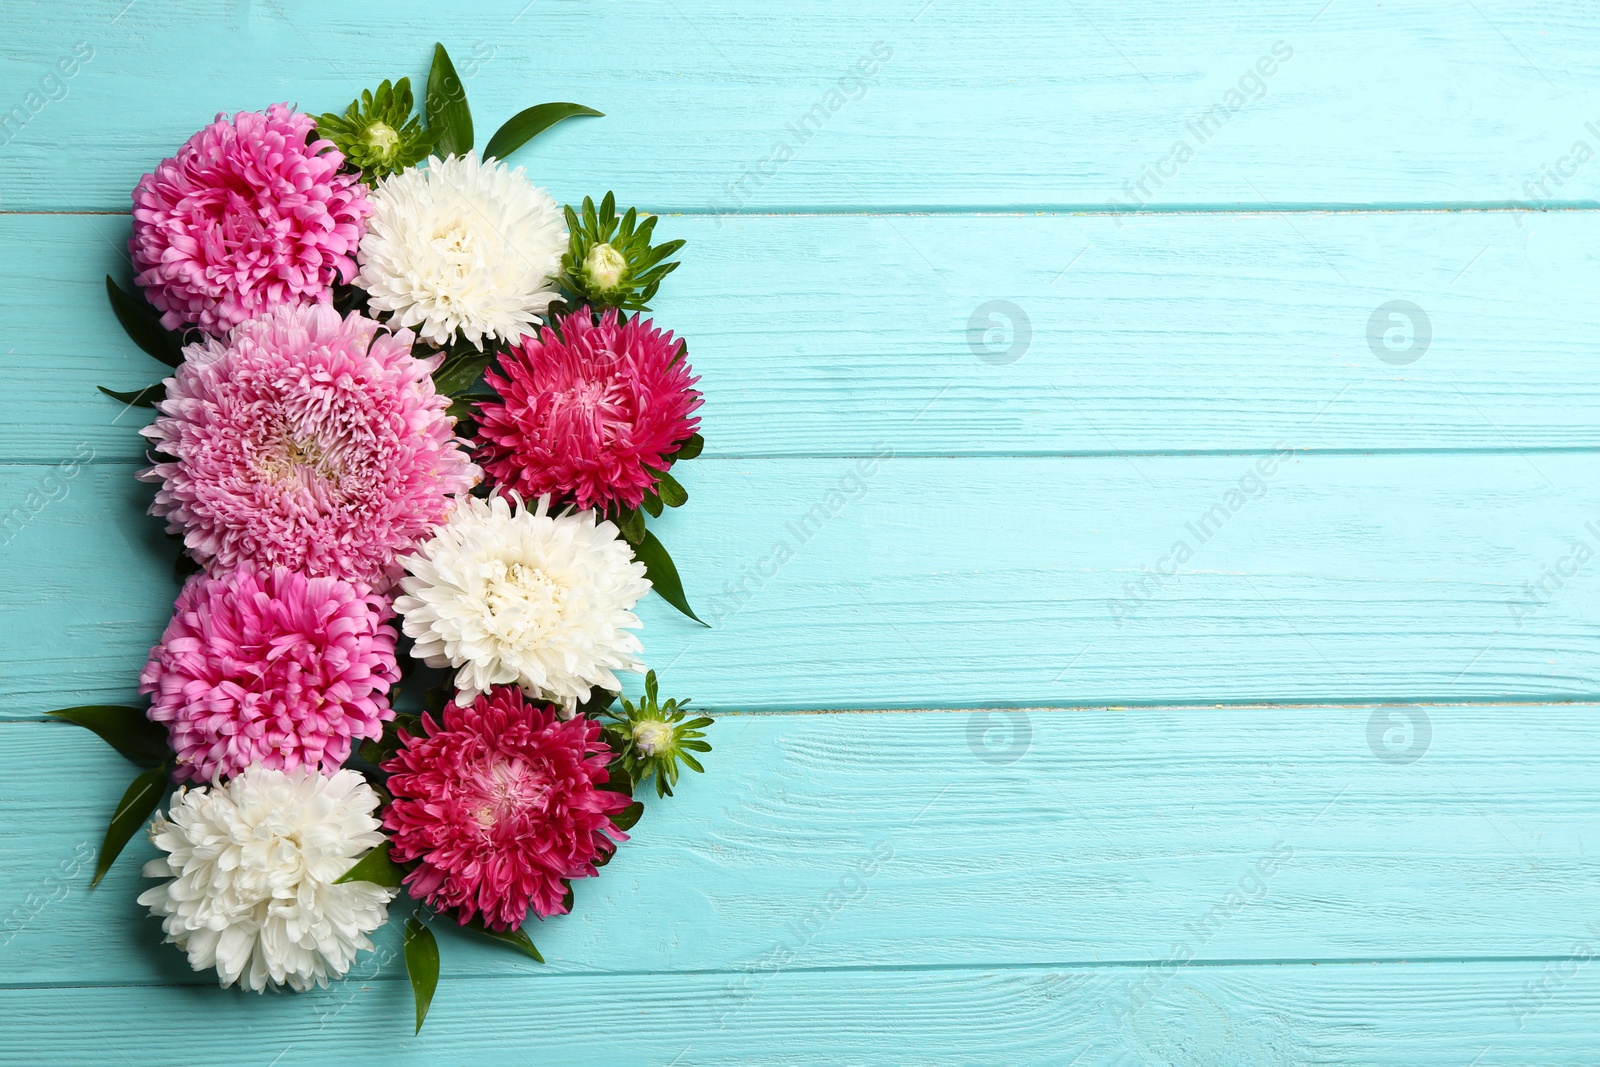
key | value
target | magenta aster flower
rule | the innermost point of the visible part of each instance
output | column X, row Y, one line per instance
column 306, row 441
column 248, row 214
column 270, row 667
column 499, row 805
column 588, row 411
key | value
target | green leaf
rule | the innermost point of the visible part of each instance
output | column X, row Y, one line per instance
column 631, row 523
column 628, row 816
column 672, row 494
column 618, row 781
column 529, row 123
column 422, row 964
column 517, row 938
column 460, row 373
column 143, row 324
column 375, row 867
column 125, row 729
column 663, row 574
column 690, row 448
column 566, row 901
column 652, row 504
column 449, row 118
column 147, row 397
column 135, row 809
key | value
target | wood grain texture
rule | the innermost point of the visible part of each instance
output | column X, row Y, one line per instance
column 1005, row 335
column 910, row 582
column 1030, row 103
column 1443, row 1014
column 986, row 839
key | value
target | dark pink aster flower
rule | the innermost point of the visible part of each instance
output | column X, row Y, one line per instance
column 499, row 805
column 268, row 666
column 249, row 213
column 587, row 411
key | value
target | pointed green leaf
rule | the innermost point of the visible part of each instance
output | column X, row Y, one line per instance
column 134, row 810
column 460, row 374
column 672, row 494
column 148, row 397
column 663, row 574
column 529, row 123
column 566, row 901
column 652, row 504
column 631, row 523
column 125, row 729
column 690, row 448
column 422, row 966
column 517, row 938
column 617, row 781
column 449, row 118
column 143, row 324
column 628, row 816
column 375, row 867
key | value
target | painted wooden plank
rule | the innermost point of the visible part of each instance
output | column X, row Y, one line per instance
column 915, row 840
column 1444, row 1014
column 1007, row 334
column 904, row 582
column 717, row 107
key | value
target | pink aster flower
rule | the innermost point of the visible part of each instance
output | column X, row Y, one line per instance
column 248, row 214
column 270, row 667
column 499, row 805
column 587, row 411
column 306, row 441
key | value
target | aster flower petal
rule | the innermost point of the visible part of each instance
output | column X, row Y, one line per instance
column 498, row 806
column 309, row 441
column 268, row 666
column 250, row 868
column 462, row 245
column 250, row 213
column 524, row 598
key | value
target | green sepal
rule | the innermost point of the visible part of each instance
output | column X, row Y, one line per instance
column 449, row 118
column 529, row 123
column 140, row 801
column 422, row 965
column 148, row 397
column 124, row 728
column 663, row 574
column 375, row 867
column 690, row 448
column 143, row 325
column 517, row 938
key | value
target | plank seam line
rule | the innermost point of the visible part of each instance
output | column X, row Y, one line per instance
column 977, row 969
column 1074, row 210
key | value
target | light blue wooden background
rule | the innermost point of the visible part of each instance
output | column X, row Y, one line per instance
column 1181, row 834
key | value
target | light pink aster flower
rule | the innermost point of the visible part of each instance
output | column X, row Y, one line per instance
column 306, row 441
column 249, row 213
column 268, row 666
column 588, row 412
column 499, row 805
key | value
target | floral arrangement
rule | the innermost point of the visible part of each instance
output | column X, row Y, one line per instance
column 414, row 428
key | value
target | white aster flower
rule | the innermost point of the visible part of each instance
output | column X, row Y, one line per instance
column 465, row 245
column 252, row 865
column 524, row 598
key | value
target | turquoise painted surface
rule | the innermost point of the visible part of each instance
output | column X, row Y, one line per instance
column 999, row 777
